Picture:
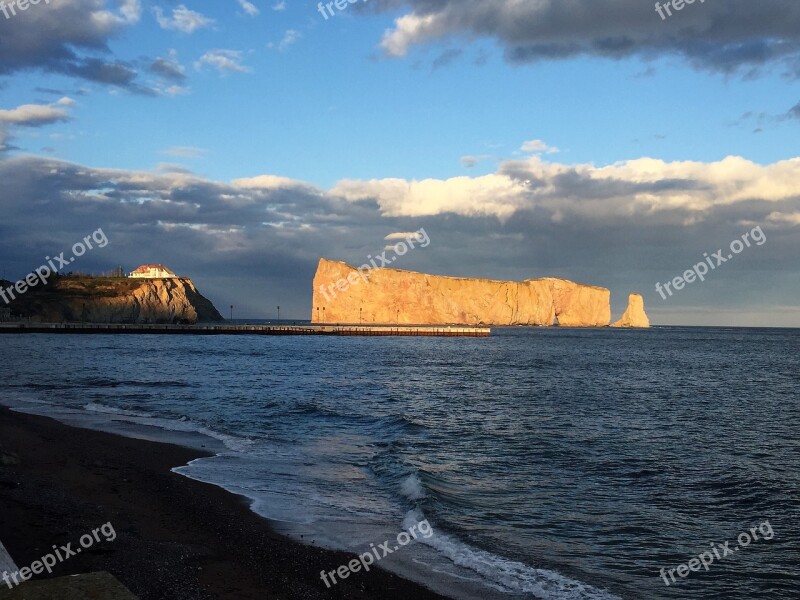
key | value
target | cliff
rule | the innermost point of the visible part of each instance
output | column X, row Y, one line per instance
column 115, row 300
column 388, row 296
column 634, row 315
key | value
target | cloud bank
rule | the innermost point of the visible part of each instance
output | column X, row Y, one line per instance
column 255, row 241
column 725, row 36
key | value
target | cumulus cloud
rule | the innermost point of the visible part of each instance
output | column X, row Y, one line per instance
column 684, row 192
column 731, row 36
column 182, row 19
column 64, row 37
column 225, row 61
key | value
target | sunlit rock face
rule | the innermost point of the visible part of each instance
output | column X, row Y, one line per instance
column 343, row 294
column 634, row 315
column 116, row 300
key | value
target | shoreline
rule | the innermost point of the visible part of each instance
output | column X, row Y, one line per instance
column 176, row 537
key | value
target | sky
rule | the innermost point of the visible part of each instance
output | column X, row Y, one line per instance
column 608, row 142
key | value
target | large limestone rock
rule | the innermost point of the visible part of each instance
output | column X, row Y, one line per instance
column 634, row 315
column 115, row 300
column 343, row 294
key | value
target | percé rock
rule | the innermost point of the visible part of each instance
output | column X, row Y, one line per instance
column 388, row 296
column 115, row 300
column 634, row 315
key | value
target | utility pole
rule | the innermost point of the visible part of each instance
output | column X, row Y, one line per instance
column 231, row 312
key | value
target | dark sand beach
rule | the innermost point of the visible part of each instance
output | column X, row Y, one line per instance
column 176, row 538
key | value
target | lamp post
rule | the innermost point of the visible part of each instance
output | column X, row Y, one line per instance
column 323, row 314
column 360, row 315
column 318, row 315
column 231, row 312
column 279, row 313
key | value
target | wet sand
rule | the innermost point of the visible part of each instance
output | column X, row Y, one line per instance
column 176, row 538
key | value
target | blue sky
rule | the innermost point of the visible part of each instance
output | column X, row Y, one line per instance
column 353, row 114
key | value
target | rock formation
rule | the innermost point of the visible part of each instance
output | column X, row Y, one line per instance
column 115, row 300
column 634, row 315
column 343, row 294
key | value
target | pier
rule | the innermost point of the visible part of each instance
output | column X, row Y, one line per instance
column 223, row 329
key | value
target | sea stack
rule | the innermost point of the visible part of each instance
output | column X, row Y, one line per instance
column 634, row 315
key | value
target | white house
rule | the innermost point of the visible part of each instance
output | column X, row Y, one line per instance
column 152, row 272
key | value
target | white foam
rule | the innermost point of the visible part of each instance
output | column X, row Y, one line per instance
column 510, row 576
column 412, row 488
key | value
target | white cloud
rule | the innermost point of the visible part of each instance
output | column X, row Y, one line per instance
column 223, row 61
column 290, row 37
column 635, row 188
column 250, row 8
column 267, row 182
column 792, row 218
column 279, row 6
column 538, row 147
column 490, row 195
column 412, row 29
column 33, row 115
column 183, row 19
column 401, row 236
column 130, row 11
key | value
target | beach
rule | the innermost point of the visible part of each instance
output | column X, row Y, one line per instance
column 175, row 537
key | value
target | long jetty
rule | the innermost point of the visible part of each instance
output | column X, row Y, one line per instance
column 224, row 329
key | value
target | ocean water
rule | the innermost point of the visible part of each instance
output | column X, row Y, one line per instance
column 550, row 463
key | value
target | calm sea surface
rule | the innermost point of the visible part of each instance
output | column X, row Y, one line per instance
column 550, row 463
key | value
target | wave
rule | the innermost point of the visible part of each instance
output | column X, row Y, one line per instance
column 110, row 410
column 508, row 575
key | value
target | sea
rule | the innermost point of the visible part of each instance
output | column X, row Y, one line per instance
column 550, row 463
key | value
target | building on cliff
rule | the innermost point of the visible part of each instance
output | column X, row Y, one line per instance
column 152, row 272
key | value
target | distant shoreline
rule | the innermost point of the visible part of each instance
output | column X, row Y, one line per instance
column 217, row 329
